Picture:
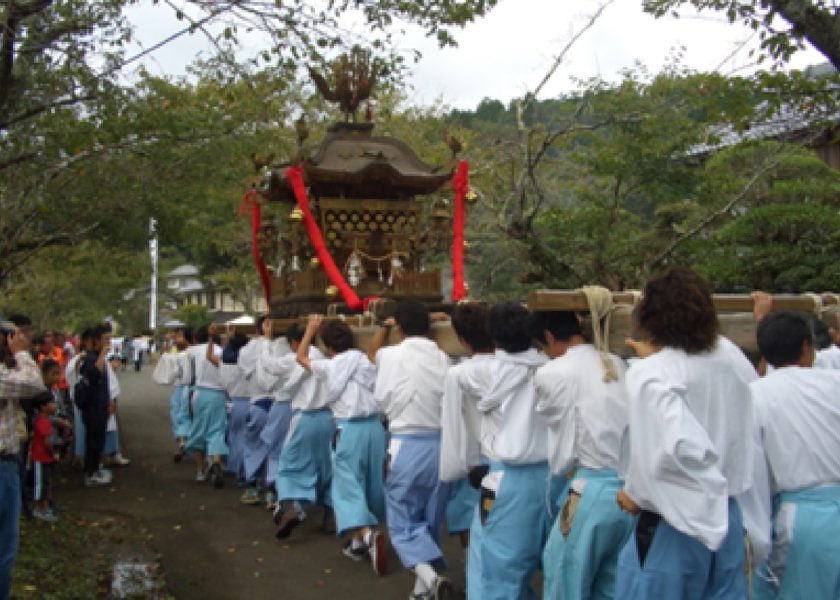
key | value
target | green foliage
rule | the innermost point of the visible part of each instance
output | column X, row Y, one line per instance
column 816, row 22
column 192, row 315
column 784, row 232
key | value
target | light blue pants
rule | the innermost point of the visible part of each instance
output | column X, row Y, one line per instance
column 806, row 559
column 415, row 499
column 305, row 467
column 179, row 411
column 236, row 436
column 509, row 544
column 78, row 433
column 184, row 416
column 112, row 442
column 679, row 566
column 110, row 445
column 9, row 522
column 209, row 423
column 357, row 494
column 254, row 450
column 273, row 436
column 460, row 510
column 584, row 565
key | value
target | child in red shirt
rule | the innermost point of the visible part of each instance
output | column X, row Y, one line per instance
column 42, row 456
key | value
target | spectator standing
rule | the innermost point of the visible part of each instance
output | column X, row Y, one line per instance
column 19, row 378
column 95, row 407
column 42, row 455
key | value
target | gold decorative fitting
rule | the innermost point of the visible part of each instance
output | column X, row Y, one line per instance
column 314, row 262
column 471, row 196
column 331, row 291
column 467, row 245
column 440, row 212
column 296, row 215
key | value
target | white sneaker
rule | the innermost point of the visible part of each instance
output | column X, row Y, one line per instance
column 96, row 479
column 201, row 476
column 121, row 461
column 106, row 475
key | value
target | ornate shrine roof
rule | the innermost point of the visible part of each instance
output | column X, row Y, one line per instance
column 353, row 163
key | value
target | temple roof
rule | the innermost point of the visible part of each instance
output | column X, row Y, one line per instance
column 353, row 163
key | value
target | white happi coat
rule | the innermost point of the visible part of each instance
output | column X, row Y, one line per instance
column 349, row 378
column 511, row 432
column 688, row 450
column 460, row 443
column 586, row 416
column 409, row 384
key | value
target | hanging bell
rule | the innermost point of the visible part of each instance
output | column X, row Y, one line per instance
column 296, row 215
column 471, row 197
column 314, row 262
column 295, row 263
column 331, row 291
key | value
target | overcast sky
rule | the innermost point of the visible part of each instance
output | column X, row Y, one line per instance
column 508, row 52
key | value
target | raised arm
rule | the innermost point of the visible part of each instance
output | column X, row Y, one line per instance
column 211, row 343
column 312, row 327
column 379, row 338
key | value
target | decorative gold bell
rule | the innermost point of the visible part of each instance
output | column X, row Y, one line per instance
column 314, row 262
column 296, row 215
column 331, row 291
column 471, row 197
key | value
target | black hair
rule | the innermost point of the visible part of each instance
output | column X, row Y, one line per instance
column 230, row 353
column 337, row 336
column 20, row 320
column 561, row 324
column 189, row 335
column 469, row 320
column 412, row 316
column 202, row 335
column 86, row 335
column 40, row 399
column 294, row 333
column 99, row 331
column 508, row 326
column 781, row 335
column 259, row 323
column 48, row 364
column 822, row 339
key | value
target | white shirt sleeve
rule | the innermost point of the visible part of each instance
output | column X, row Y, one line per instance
column 673, row 467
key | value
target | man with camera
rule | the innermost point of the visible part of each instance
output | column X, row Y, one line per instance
column 20, row 377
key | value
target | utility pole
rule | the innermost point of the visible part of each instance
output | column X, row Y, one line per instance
column 153, row 254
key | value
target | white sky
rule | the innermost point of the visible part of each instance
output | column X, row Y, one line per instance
column 507, row 53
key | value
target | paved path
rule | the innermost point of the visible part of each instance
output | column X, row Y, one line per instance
column 212, row 546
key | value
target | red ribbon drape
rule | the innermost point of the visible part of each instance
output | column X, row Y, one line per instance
column 461, row 185
column 295, row 177
column 249, row 202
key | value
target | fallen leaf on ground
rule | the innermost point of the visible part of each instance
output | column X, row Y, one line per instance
column 30, row 589
column 177, row 528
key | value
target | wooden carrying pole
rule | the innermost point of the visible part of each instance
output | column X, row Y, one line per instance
column 734, row 312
